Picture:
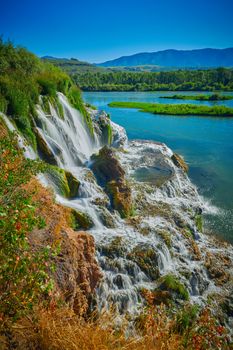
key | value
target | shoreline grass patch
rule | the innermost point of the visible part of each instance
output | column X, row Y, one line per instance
column 176, row 109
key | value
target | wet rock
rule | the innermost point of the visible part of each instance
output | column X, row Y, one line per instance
column 172, row 284
column 106, row 166
column 64, row 181
column 118, row 281
column 111, row 175
column 106, row 218
column 157, row 297
column 105, row 128
column 147, row 259
column 58, row 177
column 179, row 162
column 216, row 265
column 43, row 149
column 80, row 220
column 73, row 184
column 116, row 248
column 120, row 194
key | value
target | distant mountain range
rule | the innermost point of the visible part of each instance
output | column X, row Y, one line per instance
column 201, row 58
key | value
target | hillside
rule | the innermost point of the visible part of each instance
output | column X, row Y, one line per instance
column 177, row 58
column 73, row 65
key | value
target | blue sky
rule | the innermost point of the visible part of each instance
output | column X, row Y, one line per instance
column 100, row 30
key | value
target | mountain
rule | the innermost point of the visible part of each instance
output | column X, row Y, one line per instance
column 176, row 58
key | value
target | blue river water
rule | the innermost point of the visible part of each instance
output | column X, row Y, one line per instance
column 206, row 143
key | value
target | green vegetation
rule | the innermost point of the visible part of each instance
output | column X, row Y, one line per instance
column 23, row 77
column 180, row 80
column 170, row 282
column 176, row 109
column 24, row 275
column 66, row 184
column 199, row 223
column 80, row 221
column 213, row 97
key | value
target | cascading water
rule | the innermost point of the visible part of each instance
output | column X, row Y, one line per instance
column 132, row 254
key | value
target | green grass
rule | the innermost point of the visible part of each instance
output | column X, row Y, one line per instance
column 176, row 109
column 171, row 282
column 213, row 97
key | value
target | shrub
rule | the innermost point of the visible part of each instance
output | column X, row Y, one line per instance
column 23, row 272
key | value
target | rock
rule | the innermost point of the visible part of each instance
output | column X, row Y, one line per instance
column 106, row 166
column 77, row 273
column 105, row 128
column 179, row 162
column 216, row 265
column 157, row 297
column 73, row 184
column 43, row 149
column 58, row 177
column 146, row 258
column 120, row 194
column 80, row 220
column 114, row 249
column 106, row 218
column 111, row 175
column 172, row 284
column 65, row 182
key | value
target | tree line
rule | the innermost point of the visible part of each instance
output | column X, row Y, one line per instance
column 180, row 80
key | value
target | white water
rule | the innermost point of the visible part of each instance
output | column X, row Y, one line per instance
column 72, row 145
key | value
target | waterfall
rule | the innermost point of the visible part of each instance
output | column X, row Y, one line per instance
column 67, row 133
column 168, row 202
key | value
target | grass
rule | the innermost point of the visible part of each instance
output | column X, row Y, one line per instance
column 176, row 109
column 213, row 97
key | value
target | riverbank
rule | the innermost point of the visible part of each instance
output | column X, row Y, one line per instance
column 176, row 109
column 212, row 97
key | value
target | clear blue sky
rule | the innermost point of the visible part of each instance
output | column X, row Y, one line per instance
column 100, row 30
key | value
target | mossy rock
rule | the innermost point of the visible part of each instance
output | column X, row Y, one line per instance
column 166, row 236
column 44, row 151
column 73, row 184
column 172, row 284
column 147, row 259
column 121, row 198
column 106, row 129
column 179, row 162
column 65, row 183
column 111, row 176
column 199, row 222
column 80, row 220
column 58, row 177
column 106, row 166
column 116, row 248
column 106, row 218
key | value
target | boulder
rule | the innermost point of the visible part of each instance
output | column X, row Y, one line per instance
column 146, row 258
column 80, row 220
column 106, row 166
column 73, row 184
column 111, row 175
column 179, row 162
column 43, row 149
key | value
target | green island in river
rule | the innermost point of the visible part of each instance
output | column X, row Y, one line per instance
column 176, row 109
column 212, row 97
